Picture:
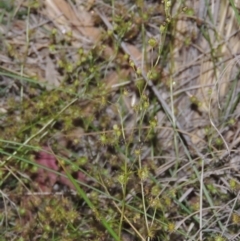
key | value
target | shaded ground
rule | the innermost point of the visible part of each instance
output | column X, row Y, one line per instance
column 119, row 120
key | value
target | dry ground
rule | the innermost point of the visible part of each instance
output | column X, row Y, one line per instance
column 119, row 120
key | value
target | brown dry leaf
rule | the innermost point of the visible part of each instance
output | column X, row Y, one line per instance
column 51, row 75
column 137, row 55
column 66, row 10
column 60, row 21
column 108, row 52
column 197, row 137
column 115, row 78
column 55, row 15
column 64, row 17
column 86, row 25
column 33, row 70
column 91, row 32
column 134, row 52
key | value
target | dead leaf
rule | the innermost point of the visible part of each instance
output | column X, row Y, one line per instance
column 46, row 179
column 66, row 10
column 51, row 75
column 66, row 19
column 134, row 52
column 116, row 77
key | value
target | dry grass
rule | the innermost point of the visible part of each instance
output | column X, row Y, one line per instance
column 119, row 120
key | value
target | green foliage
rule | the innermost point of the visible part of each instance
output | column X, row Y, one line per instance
column 139, row 175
